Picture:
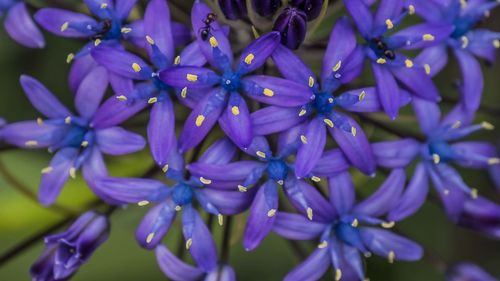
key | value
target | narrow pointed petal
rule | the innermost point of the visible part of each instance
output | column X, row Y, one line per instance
column 161, row 130
column 274, row 119
column 309, row 201
column 235, row 121
column 113, row 112
column 190, row 56
column 440, row 33
column 331, row 163
column 388, row 90
column 42, row 99
column 435, row 57
column 131, row 190
column 473, row 82
column 90, row 92
column 369, row 101
column 219, row 153
column 337, row 54
column 53, row 181
column 80, row 69
column 23, row 134
column 428, row 114
column 234, row 171
column 202, row 248
column 475, row 154
column 396, row 154
column 189, row 76
column 157, row 25
column 155, row 225
column 175, row 268
column 341, row 191
column 313, row 144
column 291, row 66
column 386, row 197
column 121, row 62
column 118, row 141
column 417, row 82
column 52, row 19
column 361, row 16
column 312, row 268
column 381, row 242
column 123, row 8
column 262, row 215
column 20, row 26
column 230, row 202
column 297, row 227
column 256, row 54
column 94, row 169
column 388, row 9
column 276, row 91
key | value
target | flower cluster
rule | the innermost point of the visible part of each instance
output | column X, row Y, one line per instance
column 237, row 124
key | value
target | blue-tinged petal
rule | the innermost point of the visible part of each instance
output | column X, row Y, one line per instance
column 175, row 268
column 291, row 66
column 414, row 35
column 342, row 192
column 90, row 92
column 42, row 99
column 189, row 76
column 256, row 54
column 388, row 10
column 336, row 54
column 417, row 82
column 80, row 69
column 118, row 141
column 289, row 140
column 386, row 197
column 190, row 55
column 100, row 8
column 352, row 257
column 431, row 11
column 309, row 201
column 31, row 134
column 458, row 114
column 274, row 119
column 123, row 8
column 331, row 162
column 433, row 59
column 20, row 26
column 56, row 175
column 113, row 112
column 396, row 154
column 413, row 197
column 313, row 143
column 229, row 202
column 468, row 271
column 136, row 34
column 181, row 34
column 155, row 225
column 297, row 227
column 235, row 121
column 132, row 190
column 157, row 25
column 161, row 130
column 355, row 146
column 475, row 154
column 201, row 120
column 221, row 273
column 312, row 268
column 259, row 147
column 219, row 153
column 122, row 62
column 384, row 243
column 235, row 171
column 369, row 100
column 262, row 215
column 199, row 240
column 428, row 114
column 361, row 16
column 387, row 89
column 482, row 43
column 451, row 197
column 94, row 169
column 276, row 91
column 199, row 13
column 473, row 83
column 54, row 20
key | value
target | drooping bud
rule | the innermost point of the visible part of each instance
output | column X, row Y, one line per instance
column 266, row 8
column 292, row 25
column 312, row 8
column 233, row 9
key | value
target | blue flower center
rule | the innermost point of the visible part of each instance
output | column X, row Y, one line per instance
column 441, row 149
column 348, row 234
column 182, row 194
column 75, row 136
column 381, row 49
column 323, row 103
column 277, row 170
column 231, row 81
column 462, row 26
column 109, row 29
column 7, row 4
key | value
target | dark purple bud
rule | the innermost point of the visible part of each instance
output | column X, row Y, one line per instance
column 233, row 9
column 312, row 8
column 292, row 24
column 266, row 8
column 67, row 251
column 468, row 272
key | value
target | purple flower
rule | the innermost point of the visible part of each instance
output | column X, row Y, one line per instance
column 170, row 200
column 78, row 140
column 19, row 25
column 341, row 64
column 67, row 251
column 161, row 50
column 389, row 66
column 437, row 152
column 312, row 8
column 273, row 170
column 292, row 26
column 266, row 8
column 348, row 231
column 466, row 41
column 468, row 272
column 223, row 100
column 233, row 9
column 177, row 270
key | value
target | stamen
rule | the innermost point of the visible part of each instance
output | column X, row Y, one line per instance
column 355, row 223
column 84, row 143
column 487, row 125
column 389, row 24
column 205, row 181
column 165, row 168
column 241, row 188
column 64, row 26
column 126, row 30
column 427, row 68
column 67, row 120
column 337, row 66
column 493, row 161
column 72, row 172
column 177, row 60
column 70, row 57
column 446, row 192
column 496, row 43
column 150, row 40
column 177, row 208
column 47, row 170
column 303, row 139
column 268, row 92
column 213, row 42
column 104, row 5
column 338, row 274
column 191, row 77
column 235, row 110
column 311, row 81
column 260, row 154
column 199, row 120
column 328, row 122
column 428, row 37
column 184, row 92
column 121, row 98
column 465, row 41
column 436, row 158
column 389, row 224
column 408, row 63
column 323, row 244
column 249, row 58
column 411, row 10
column 353, row 131
column 309, row 214
column 330, row 100
column 189, row 242
column 97, row 42
column 31, row 143
column 220, row 218
column 362, row 96
column 150, row 237
column 136, row 67
column 152, row 100
column 302, row 112
column 315, row 179
column 463, row 4
column 381, row 61
column 391, row 256
column 280, row 182
column 143, row 203
column 39, row 121
column 271, row 213
column 456, row 125
column 474, row 193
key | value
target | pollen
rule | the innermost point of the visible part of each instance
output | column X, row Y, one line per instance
column 303, row 139
column 271, row 213
column 338, row 274
column 31, row 143
column 465, row 41
column 353, row 131
column 84, row 143
column 493, row 161
column 39, row 121
column 355, row 223
column 121, row 98
column 311, row 81
column 337, row 66
column 323, row 244
column 205, row 181
column 189, row 242
column 126, row 30
column 47, row 170
column 150, row 40
column 72, row 172
column 165, row 168
column 97, row 42
column 427, row 69
column 328, row 122
column 268, row 92
column 436, row 158
column 241, row 188
column 67, row 120
column 496, row 43
column 136, row 67
column 391, row 256
column 381, row 61
column 199, row 120
column 408, row 63
column 177, row 60
column 302, row 112
column 310, row 214
column 280, row 182
column 463, row 4
column 104, row 5
column 261, row 154
column 362, row 96
column 428, row 37
column 487, row 125
column 64, row 26
column 184, row 92
column 152, row 100
column 150, row 237
column 143, row 203
column 192, row 77
column 456, row 125
column 315, row 179
column 389, row 224
column 177, row 208
column 235, row 110
column 446, row 192
column 249, row 58
column 220, row 219
column 213, row 42
column 389, row 24
column 411, row 10
column 70, row 57
column 474, row 193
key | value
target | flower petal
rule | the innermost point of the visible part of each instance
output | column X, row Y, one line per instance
column 342, row 192
column 381, row 242
column 90, row 92
column 20, row 26
column 131, row 190
column 118, row 141
column 155, row 225
column 80, row 68
column 276, row 91
column 427, row 113
column 417, row 82
column 219, row 153
column 121, row 62
column 388, row 9
column 435, row 57
column 42, row 99
column 388, row 90
column 29, row 134
column 53, row 19
column 291, row 66
column 174, row 268
column 123, row 8
column 235, row 171
column 274, row 119
column 331, row 162
column 473, row 82
column 361, row 16
column 312, row 268
column 235, row 121
column 157, row 25
column 161, row 130
column 313, row 144
column 396, row 154
column 297, row 227
column 337, row 54
column 474, row 154
column 189, row 76
column 229, row 202
column 113, row 112
column 256, row 54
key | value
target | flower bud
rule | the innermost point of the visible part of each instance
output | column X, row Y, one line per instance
column 233, row 9
column 292, row 24
column 469, row 272
column 266, row 8
column 67, row 251
column 312, row 8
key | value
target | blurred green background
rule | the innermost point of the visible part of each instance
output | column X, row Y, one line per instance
column 122, row 259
